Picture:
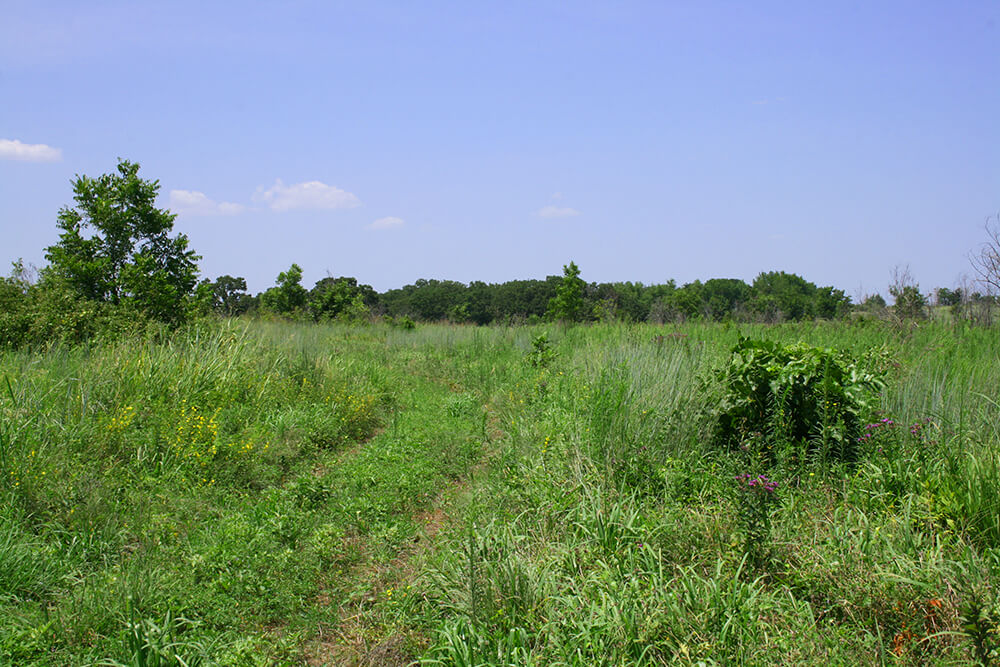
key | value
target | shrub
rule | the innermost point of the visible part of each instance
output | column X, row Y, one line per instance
column 541, row 354
column 794, row 393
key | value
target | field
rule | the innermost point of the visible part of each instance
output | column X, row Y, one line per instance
column 252, row 493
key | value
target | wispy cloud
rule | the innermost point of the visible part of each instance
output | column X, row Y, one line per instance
column 12, row 149
column 388, row 222
column 767, row 100
column 308, row 195
column 556, row 212
column 192, row 202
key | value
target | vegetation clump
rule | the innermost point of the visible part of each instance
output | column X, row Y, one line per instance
column 794, row 393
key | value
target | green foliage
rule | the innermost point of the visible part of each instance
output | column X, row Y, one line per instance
column 428, row 300
column 403, row 322
column 150, row 643
column 874, row 302
column 909, row 304
column 115, row 247
column 339, row 299
column 686, row 302
column 724, row 296
column 567, row 304
column 51, row 313
column 756, row 501
column 794, row 393
column 27, row 566
column 979, row 611
column 15, row 310
column 288, row 296
column 229, row 296
column 778, row 295
column 265, row 479
column 541, row 354
column 948, row 297
column 774, row 297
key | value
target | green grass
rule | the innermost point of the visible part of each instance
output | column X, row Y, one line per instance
column 271, row 493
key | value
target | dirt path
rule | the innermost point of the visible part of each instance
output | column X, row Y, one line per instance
column 357, row 638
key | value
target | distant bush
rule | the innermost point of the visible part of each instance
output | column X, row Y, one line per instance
column 402, row 322
column 794, row 393
column 50, row 313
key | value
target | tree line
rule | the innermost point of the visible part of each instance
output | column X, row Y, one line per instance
column 773, row 296
column 117, row 267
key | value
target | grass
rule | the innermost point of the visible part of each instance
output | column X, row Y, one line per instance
column 270, row 493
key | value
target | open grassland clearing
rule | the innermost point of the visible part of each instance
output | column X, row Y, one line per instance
column 260, row 493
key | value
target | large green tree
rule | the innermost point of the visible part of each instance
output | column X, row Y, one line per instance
column 115, row 247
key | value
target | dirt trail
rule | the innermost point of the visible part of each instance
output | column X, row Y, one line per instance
column 354, row 640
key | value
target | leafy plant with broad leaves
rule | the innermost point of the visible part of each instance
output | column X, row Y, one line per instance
column 541, row 354
column 796, row 393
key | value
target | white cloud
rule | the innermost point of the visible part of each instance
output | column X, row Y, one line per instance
column 12, row 149
column 556, row 212
column 388, row 222
column 192, row 202
column 309, row 195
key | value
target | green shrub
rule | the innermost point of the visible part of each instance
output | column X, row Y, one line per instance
column 402, row 322
column 541, row 354
column 794, row 393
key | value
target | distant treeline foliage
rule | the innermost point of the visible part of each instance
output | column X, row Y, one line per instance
column 117, row 268
column 772, row 297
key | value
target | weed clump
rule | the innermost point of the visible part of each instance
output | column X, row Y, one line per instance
column 793, row 394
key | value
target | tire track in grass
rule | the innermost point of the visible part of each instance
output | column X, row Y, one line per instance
column 406, row 473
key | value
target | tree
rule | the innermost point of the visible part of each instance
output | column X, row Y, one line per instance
column 115, row 247
column 685, row 303
column 479, row 305
column 780, row 295
column 909, row 304
column 873, row 302
column 288, row 296
column 948, row 297
column 567, row 304
column 339, row 298
column 829, row 303
column 722, row 297
column 229, row 296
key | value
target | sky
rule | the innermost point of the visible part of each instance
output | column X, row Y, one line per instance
column 493, row 141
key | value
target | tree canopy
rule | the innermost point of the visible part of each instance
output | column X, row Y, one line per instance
column 115, row 247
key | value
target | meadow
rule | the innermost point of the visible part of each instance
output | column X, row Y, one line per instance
column 267, row 493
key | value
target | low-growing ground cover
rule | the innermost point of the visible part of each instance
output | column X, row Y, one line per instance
column 279, row 494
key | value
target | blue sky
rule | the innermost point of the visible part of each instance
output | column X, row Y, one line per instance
column 476, row 140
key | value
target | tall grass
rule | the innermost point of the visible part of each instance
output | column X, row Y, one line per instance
column 241, row 493
column 625, row 524
column 238, row 476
